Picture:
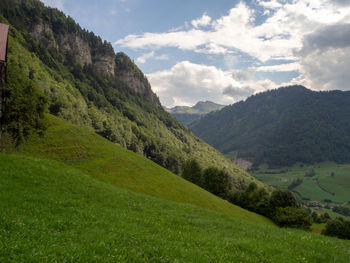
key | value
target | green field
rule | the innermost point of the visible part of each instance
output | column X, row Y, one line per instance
column 51, row 212
column 320, row 187
column 109, row 162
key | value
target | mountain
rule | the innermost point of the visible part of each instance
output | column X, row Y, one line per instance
column 281, row 127
column 186, row 114
column 56, row 65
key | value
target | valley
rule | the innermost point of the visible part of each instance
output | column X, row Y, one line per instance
column 321, row 187
column 94, row 168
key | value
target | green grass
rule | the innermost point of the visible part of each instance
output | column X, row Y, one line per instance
column 335, row 188
column 51, row 212
column 109, row 162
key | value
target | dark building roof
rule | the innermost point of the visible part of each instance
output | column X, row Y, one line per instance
column 3, row 41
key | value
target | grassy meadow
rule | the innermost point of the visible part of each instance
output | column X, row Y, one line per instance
column 110, row 163
column 51, row 212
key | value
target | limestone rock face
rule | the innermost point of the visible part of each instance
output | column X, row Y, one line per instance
column 139, row 86
column 77, row 47
column 104, row 64
column 101, row 56
column 44, row 34
column 132, row 76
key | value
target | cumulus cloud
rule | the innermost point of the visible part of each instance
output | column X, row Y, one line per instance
column 277, row 37
column 272, row 4
column 325, row 57
column 313, row 34
column 186, row 83
column 203, row 21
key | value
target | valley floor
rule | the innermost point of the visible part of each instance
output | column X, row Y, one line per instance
column 326, row 185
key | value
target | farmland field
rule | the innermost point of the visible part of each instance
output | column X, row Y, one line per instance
column 330, row 181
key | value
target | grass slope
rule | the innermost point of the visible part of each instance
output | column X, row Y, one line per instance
column 113, row 164
column 50, row 212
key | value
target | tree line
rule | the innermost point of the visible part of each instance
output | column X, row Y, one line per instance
column 281, row 206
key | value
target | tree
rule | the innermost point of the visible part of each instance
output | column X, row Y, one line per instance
column 24, row 105
column 253, row 198
column 292, row 217
column 216, row 181
column 282, row 198
column 191, row 171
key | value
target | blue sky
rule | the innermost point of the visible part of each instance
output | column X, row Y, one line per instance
column 224, row 50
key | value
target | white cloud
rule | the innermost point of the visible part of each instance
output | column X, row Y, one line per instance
column 278, row 36
column 314, row 34
column 187, row 83
column 295, row 66
column 203, row 21
column 325, row 58
column 273, row 4
column 142, row 59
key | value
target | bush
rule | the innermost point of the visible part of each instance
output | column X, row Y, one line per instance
column 253, row 198
column 292, row 217
column 282, row 198
column 337, row 228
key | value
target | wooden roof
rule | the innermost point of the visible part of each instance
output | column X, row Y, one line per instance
column 3, row 41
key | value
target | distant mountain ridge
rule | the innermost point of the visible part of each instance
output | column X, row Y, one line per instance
column 186, row 114
column 282, row 127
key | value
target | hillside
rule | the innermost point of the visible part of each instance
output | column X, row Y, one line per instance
column 282, row 127
column 186, row 114
column 110, row 163
column 87, row 84
column 52, row 212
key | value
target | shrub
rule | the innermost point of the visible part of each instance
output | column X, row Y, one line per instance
column 337, row 228
column 283, row 198
column 253, row 198
column 292, row 217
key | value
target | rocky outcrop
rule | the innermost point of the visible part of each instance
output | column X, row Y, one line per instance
column 77, row 47
column 44, row 35
column 73, row 45
column 139, row 86
column 100, row 55
column 132, row 76
column 104, row 64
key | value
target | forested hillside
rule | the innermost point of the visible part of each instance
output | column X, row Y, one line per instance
column 282, row 127
column 56, row 65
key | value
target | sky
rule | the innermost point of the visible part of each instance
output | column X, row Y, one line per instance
column 224, row 50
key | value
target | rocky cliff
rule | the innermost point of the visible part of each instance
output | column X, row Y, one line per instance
column 96, row 53
column 75, row 46
column 131, row 75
